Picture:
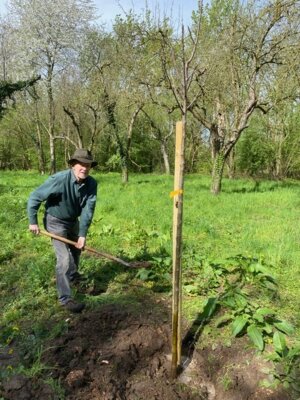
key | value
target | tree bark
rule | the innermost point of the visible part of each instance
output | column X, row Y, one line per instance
column 76, row 125
column 125, row 173
column 38, row 140
column 51, row 119
column 165, row 157
column 217, row 173
column 125, row 157
column 279, row 157
column 231, row 163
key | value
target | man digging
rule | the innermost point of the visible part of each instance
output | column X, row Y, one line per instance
column 68, row 195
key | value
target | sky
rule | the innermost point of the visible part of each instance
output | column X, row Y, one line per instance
column 177, row 10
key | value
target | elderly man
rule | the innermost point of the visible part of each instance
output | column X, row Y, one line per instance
column 70, row 200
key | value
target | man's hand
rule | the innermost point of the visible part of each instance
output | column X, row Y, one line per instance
column 80, row 243
column 34, row 229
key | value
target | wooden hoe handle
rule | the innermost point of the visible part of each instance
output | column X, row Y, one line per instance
column 89, row 249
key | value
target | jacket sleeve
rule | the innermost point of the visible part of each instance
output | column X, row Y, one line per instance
column 88, row 210
column 41, row 194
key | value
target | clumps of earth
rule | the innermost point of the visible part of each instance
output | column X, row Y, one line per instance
column 116, row 352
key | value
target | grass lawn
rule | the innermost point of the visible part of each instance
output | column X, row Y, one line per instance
column 253, row 220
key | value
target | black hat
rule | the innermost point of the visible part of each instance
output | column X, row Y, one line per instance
column 84, row 156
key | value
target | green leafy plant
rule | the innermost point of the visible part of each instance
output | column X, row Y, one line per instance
column 107, row 230
column 221, row 275
column 233, row 281
column 260, row 323
column 240, row 271
column 236, row 281
column 137, row 237
column 286, row 365
column 159, row 272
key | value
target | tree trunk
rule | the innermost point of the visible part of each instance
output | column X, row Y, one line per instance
column 217, row 173
column 124, row 172
column 40, row 153
column 231, row 164
column 51, row 118
column 278, row 159
column 52, row 155
column 165, row 158
column 38, row 141
column 76, row 124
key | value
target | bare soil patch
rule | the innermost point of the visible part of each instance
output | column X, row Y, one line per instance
column 119, row 353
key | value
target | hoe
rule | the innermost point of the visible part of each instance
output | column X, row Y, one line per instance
column 137, row 264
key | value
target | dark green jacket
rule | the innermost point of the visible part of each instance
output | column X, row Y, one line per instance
column 65, row 199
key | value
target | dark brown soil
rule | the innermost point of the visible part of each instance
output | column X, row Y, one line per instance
column 117, row 353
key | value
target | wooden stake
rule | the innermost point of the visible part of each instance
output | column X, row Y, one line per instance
column 177, row 239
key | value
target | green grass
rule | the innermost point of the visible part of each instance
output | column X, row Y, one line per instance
column 134, row 221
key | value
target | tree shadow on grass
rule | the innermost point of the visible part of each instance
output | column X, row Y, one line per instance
column 262, row 187
column 146, row 266
column 97, row 275
column 193, row 334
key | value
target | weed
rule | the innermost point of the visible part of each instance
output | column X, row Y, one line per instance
column 8, row 334
column 57, row 388
column 232, row 281
column 36, row 368
column 226, row 381
column 286, row 366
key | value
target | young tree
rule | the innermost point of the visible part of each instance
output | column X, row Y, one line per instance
column 161, row 131
column 180, row 72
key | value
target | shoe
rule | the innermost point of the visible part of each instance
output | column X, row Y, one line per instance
column 73, row 307
column 76, row 277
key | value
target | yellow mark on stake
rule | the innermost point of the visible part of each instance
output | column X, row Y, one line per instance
column 176, row 192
